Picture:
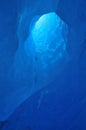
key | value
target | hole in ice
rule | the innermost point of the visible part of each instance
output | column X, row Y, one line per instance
column 47, row 44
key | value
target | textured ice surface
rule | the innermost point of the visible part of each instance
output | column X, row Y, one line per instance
column 47, row 44
column 33, row 65
column 39, row 58
column 65, row 106
column 36, row 63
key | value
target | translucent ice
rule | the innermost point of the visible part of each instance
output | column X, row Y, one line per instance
column 47, row 44
column 40, row 56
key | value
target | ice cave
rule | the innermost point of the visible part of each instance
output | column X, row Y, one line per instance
column 42, row 65
column 46, row 44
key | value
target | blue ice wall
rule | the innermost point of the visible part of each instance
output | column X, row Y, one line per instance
column 61, row 104
column 34, row 65
column 30, row 70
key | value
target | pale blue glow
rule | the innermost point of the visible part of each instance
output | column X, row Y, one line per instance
column 44, row 31
column 45, row 46
column 47, row 40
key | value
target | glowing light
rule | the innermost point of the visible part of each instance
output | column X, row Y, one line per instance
column 47, row 40
column 44, row 30
column 46, row 45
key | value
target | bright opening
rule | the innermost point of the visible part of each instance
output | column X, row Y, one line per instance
column 44, row 31
column 46, row 44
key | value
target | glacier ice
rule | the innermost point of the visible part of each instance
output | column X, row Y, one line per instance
column 37, row 61
column 46, row 43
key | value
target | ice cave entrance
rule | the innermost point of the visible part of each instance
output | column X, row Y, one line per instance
column 47, row 38
column 44, row 32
